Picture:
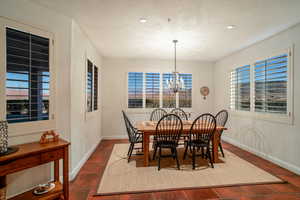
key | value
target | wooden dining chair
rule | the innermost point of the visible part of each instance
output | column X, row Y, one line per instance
column 180, row 113
column 200, row 136
column 183, row 116
column 168, row 131
column 157, row 114
column 221, row 120
column 134, row 136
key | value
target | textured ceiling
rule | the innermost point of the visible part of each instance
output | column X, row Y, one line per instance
column 199, row 25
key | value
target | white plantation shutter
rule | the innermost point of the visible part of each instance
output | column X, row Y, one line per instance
column 27, row 77
column 240, row 89
column 95, row 87
column 271, row 84
column 135, row 89
column 152, row 90
column 169, row 97
column 89, row 86
column 185, row 95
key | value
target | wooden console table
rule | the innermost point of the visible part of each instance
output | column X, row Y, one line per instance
column 34, row 154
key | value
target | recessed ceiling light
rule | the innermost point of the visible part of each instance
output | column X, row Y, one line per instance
column 143, row 20
column 231, row 27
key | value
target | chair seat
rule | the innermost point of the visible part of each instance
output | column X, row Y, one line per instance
column 167, row 144
column 184, row 136
column 198, row 143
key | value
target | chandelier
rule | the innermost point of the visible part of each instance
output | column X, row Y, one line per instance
column 175, row 83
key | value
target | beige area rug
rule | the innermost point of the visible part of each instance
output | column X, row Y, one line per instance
column 123, row 177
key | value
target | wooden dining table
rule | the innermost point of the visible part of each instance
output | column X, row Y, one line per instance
column 148, row 128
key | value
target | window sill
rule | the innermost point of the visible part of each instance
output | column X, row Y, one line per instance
column 91, row 115
column 278, row 118
column 29, row 128
column 149, row 110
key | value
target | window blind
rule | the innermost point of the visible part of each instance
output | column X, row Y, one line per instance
column 89, row 86
column 135, row 90
column 152, row 90
column 169, row 97
column 271, row 78
column 185, row 95
column 95, row 88
column 27, row 77
column 240, row 89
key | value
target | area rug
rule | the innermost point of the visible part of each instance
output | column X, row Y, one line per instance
column 122, row 177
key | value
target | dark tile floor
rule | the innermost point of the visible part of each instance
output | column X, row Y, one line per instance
column 86, row 182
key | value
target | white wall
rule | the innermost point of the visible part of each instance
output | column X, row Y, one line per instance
column 114, row 88
column 31, row 14
column 70, row 73
column 275, row 141
column 85, row 127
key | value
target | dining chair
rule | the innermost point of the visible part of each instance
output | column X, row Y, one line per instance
column 183, row 116
column 168, row 131
column 200, row 136
column 134, row 136
column 221, row 119
column 157, row 114
column 180, row 113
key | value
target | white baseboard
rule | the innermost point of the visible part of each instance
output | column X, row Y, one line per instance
column 270, row 158
column 76, row 169
column 114, row 137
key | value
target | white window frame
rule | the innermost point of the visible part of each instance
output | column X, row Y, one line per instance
column 177, row 96
column 85, row 78
column 25, row 128
column 144, row 89
column 250, row 80
column 148, row 110
column 273, row 117
column 162, row 90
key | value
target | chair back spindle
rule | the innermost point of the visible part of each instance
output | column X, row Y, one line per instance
column 221, row 118
column 169, row 128
column 203, row 128
column 129, row 128
column 157, row 114
column 180, row 113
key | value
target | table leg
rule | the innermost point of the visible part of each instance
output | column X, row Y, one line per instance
column 66, row 173
column 56, row 170
column 215, row 142
column 2, row 187
column 146, row 149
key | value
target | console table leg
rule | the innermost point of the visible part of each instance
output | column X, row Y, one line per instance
column 2, row 187
column 66, row 173
column 56, row 170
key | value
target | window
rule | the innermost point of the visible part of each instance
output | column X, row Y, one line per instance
column 91, row 87
column 152, row 90
column 95, row 88
column 27, row 77
column 267, row 91
column 271, row 80
column 169, row 97
column 185, row 95
column 149, row 90
column 240, row 88
column 135, row 90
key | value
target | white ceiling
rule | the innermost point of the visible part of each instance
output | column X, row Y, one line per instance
column 199, row 25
